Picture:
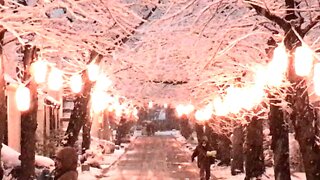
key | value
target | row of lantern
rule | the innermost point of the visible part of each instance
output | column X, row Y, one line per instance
column 40, row 72
column 272, row 75
column 235, row 99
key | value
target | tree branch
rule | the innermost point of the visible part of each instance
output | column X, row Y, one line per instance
column 266, row 13
column 290, row 14
column 310, row 26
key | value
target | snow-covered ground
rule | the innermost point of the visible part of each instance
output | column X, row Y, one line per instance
column 104, row 161
column 223, row 172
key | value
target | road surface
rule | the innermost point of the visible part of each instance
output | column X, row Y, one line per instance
column 154, row 158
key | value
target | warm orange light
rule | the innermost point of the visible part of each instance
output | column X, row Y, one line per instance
column 118, row 111
column 303, row 60
column 39, row 70
column 76, row 83
column 93, row 72
column 180, row 110
column 316, row 79
column 98, row 103
column 150, row 105
column 103, row 83
column 252, row 96
column 55, row 79
column 204, row 114
column 189, row 108
column 184, row 109
column 279, row 62
column 233, row 99
column 135, row 112
column 23, row 98
column 219, row 107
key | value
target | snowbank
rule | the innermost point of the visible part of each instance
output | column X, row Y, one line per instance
column 10, row 158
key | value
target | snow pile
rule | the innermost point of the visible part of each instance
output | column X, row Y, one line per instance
column 10, row 158
column 100, row 163
column 101, row 156
column 223, row 172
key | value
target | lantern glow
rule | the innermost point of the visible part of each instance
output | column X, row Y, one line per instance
column 316, row 79
column 219, row 107
column 23, row 98
column 279, row 63
column 98, row 102
column 150, row 105
column 303, row 60
column 76, row 83
column 39, row 70
column 55, row 79
column 103, row 83
column 93, row 72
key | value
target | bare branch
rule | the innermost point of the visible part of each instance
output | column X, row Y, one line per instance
column 266, row 13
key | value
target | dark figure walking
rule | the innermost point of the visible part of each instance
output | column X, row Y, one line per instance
column 205, row 157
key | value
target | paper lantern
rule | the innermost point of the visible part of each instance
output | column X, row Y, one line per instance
column 55, row 79
column 303, row 60
column 316, row 79
column 39, row 71
column 93, row 72
column 76, row 83
column 23, row 98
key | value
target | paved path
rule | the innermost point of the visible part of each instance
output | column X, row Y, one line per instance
column 154, row 158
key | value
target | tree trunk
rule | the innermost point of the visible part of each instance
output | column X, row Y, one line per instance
column 237, row 151
column 303, row 116
column 254, row 160
column 185, row 128
column 3, row 102
column 304, row 122
column 29, row 121
column 86, row 136
column 80, row 115
column 199, row 128
column 279, row 130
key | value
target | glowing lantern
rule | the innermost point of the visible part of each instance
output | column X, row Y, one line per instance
column 118, row 112
column 135, row 112
column 103, row 83
column 93, row 72
column 233, row 99
column 252, row 96
column 39, row 70
column 279, row 63
column 199, row 115
column 303, row 60
column 219, row 107
column 189, row 108
column 316, row 79
column 165, row 106
column 204, row 114
column 55, row 79
column 150, row 105
column 76, row 83
column 180, row 110
column 98, row 102
column 23, row 98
